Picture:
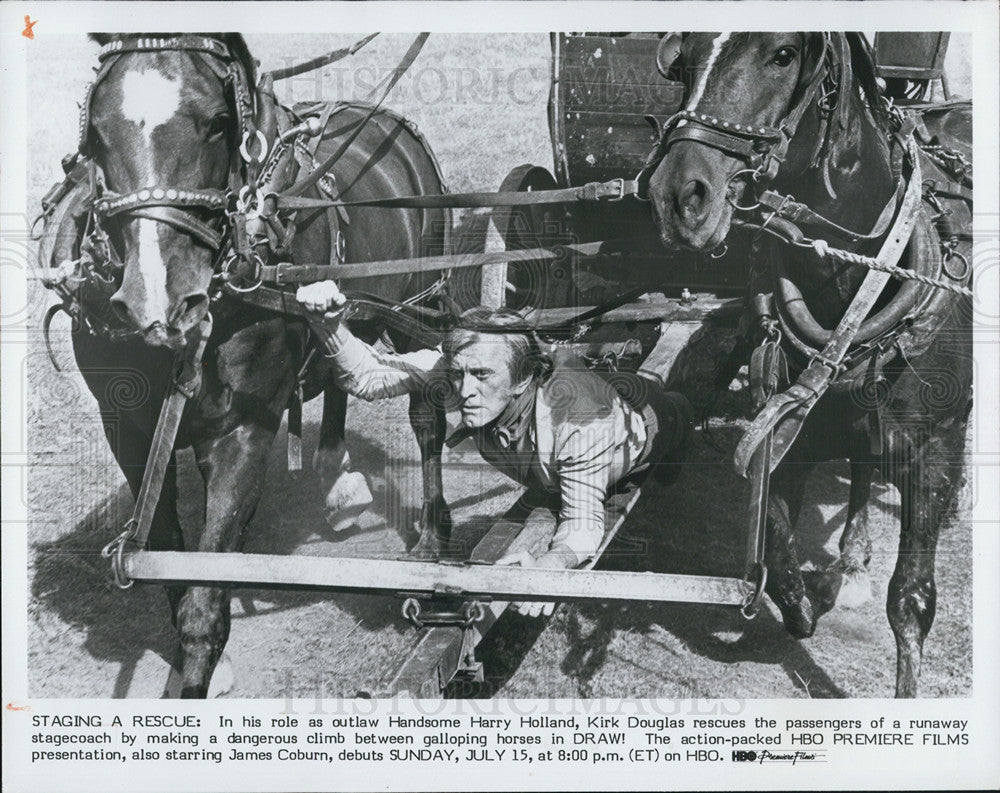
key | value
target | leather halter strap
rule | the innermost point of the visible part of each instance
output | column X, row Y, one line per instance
column 743, row 141
column 182, row 221
column 167, row 205
column 188, row 43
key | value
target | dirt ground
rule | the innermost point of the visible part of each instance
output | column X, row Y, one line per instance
column 481, row 104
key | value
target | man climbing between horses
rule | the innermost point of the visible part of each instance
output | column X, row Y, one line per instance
column 552, row 428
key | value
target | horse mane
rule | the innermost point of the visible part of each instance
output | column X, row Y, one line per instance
column 854, row 70
column 863, row 66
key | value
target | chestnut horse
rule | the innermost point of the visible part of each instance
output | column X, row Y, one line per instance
column 801, row 113
column 166, row 116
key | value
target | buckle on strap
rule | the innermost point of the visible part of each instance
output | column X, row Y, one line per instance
column 836, row 367
column 615, row 190
column 619, row 185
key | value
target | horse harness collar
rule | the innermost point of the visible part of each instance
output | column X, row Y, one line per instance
column 782, row 415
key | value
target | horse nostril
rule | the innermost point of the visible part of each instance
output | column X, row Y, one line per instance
column 120, row 309
column 691, row 203
column 190, row 311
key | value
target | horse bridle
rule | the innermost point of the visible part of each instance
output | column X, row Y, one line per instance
column 173, row 205
column 763, row 148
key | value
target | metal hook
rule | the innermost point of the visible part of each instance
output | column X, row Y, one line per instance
column 115, row 550
column 751, row 603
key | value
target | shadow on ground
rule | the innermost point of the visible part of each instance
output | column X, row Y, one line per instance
column 669, row 532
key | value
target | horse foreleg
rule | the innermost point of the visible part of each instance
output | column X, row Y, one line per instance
column 800, row 609
column 428, row 422
column 855, row 542
column 332, row 457
column 927, row 484
column 233, row 468
column 348, row 495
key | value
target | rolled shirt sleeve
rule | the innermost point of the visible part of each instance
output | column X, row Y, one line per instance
column 365, row 372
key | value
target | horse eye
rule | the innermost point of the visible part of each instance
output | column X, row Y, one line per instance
column 784, row 56
column 218, row 125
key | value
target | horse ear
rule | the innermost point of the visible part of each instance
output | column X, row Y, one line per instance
column 815, row 51
column 667, row 53
column 238, row 46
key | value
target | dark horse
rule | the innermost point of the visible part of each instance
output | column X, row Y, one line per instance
column 903, row 407
column 166, row 116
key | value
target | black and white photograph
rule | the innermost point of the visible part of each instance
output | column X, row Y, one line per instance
column 494, row 366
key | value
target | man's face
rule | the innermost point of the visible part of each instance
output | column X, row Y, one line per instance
column 480, row 375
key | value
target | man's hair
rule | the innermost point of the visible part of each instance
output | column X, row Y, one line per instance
column 524, row 355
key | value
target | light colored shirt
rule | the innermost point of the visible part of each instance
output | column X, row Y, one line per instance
column 582, row 440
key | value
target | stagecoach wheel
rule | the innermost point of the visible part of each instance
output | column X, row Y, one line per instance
column 534, row 283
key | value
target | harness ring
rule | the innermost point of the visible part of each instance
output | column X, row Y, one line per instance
column 411, row 612
column 245, row 146
column 227, row 272
column 719, row 250
column 250, row 202
column 950, row 255
column 755, row 175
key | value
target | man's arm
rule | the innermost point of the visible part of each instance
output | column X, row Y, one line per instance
column 585, row 467
column 359, row 368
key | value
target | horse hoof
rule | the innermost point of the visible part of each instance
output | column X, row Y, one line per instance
column 347, row 500
column 799, row 618
column 822, row 589
column 222, row 678
column 799, row 625
column 855, row 589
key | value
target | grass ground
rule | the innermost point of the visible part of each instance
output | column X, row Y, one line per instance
column 481, row 103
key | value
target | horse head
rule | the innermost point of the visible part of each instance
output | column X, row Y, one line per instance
column 161, row 123
column 746, row 93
